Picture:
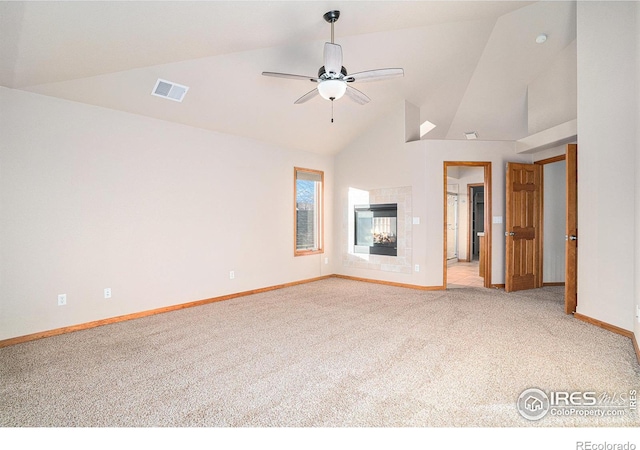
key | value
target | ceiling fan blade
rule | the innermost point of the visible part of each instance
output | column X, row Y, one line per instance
column 375, row 75
column 306, row 97
column 288, row 75
column 357, row 96
column 332, row 58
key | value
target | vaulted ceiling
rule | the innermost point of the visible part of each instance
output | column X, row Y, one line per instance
column 467, row 64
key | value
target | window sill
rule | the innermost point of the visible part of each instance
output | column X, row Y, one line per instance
column 308, row 252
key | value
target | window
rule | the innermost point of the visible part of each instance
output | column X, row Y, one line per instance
column 309, row 211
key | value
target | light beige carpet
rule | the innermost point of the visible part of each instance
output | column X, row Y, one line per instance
column 331, row 353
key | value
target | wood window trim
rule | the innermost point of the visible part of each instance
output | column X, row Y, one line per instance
column 320, row 248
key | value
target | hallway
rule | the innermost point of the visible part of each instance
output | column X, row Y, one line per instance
column 462, row 274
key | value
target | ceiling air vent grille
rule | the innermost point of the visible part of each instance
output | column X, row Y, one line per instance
column 170, row 90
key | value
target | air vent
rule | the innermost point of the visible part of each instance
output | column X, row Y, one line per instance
column 471, row 134
column 169, row 90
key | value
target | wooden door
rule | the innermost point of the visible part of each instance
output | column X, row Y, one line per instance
column 523, row 226
column 571, row 245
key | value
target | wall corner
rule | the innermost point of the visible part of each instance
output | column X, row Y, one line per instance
column 411, row 122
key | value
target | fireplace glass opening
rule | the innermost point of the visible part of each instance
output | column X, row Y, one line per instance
column 376, row 230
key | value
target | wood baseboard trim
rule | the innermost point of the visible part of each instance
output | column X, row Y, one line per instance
column 554, row 283
column 126, row 317
column 98, row 323
column 606, row 326
column 392, row 283
column 636, row 347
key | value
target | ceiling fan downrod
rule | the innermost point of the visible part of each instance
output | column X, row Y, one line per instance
column 332, row 17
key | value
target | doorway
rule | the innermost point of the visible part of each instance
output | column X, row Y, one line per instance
column 467, row 228
column 515, row 230
column 452, row 226
column 560, row 217
column 476, row 220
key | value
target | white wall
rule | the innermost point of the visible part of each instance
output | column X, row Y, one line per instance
column 554, row 226
column 551, row 97
column 159, row 212
column 607, row 148
column 636, row 314
column 381, row 159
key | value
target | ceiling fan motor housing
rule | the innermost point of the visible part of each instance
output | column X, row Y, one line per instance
column 323, row 75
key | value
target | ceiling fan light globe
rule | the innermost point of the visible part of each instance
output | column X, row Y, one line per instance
column 332, row 89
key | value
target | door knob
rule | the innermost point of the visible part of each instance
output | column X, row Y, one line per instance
column 509, row 233
column 573, row 237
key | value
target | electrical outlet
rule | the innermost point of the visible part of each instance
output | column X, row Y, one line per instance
column 62, row 299
column 107, row 292
column 417, row 268
column 326, row 260
column 232, row 275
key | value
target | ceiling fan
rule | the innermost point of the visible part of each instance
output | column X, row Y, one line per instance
column 333, row 81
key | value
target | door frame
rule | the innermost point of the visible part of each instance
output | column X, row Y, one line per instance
column 544, row 162
column 570, row 270
column 487, row 217
column 571, row 222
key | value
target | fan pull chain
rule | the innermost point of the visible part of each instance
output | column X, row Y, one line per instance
column 331, row 110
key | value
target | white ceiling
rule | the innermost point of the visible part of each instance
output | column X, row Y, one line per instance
column 467, row 64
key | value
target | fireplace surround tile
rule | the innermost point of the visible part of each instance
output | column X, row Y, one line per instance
column 398, row 264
